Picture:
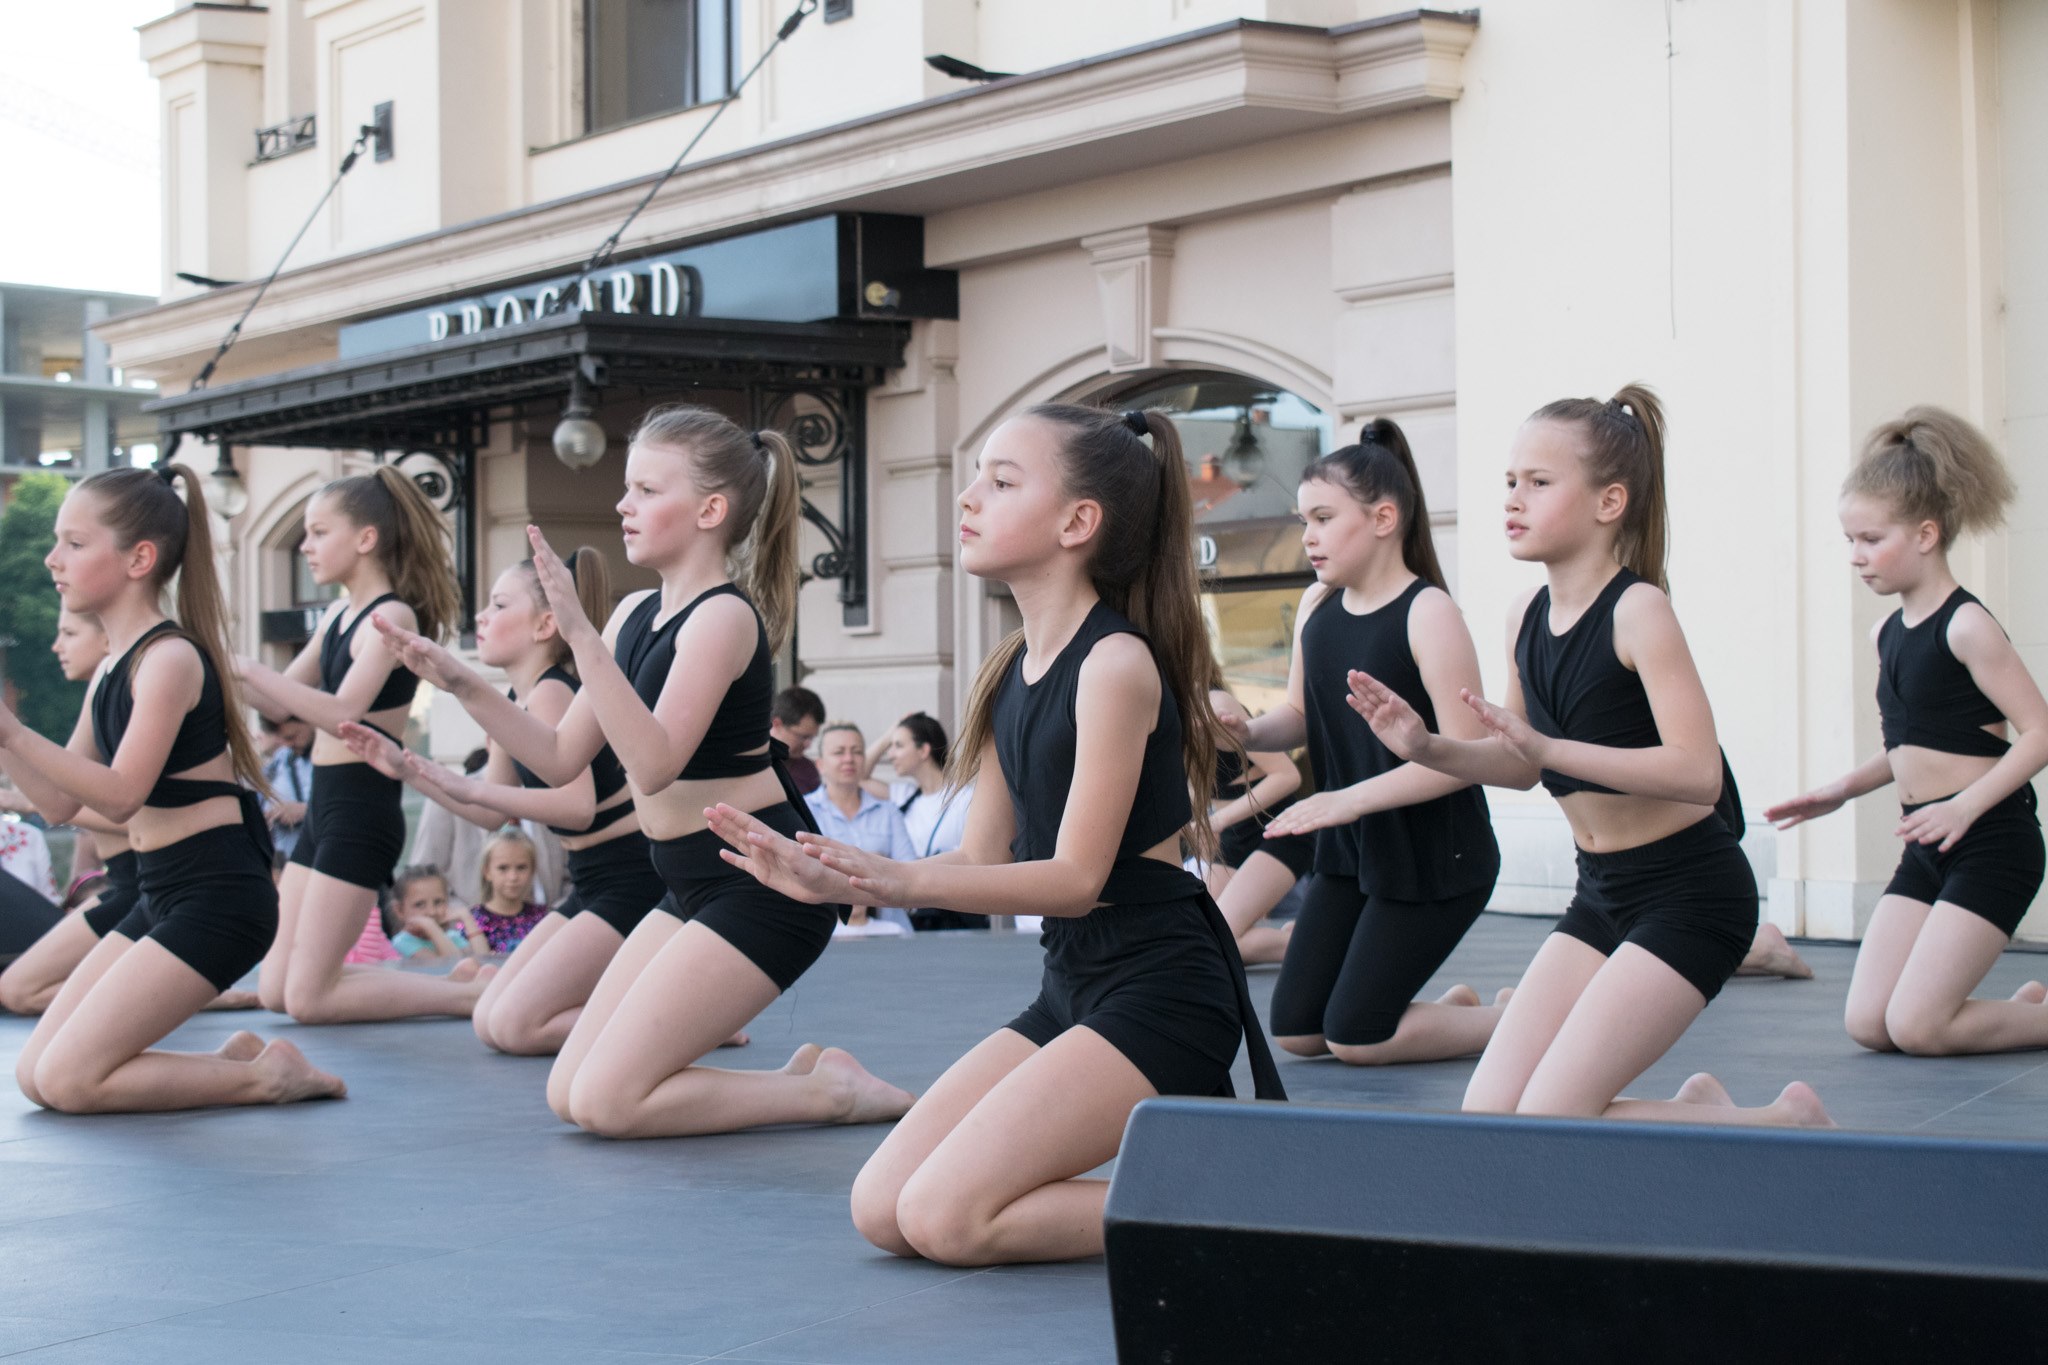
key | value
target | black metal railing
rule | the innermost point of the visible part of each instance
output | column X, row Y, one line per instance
column 282, row 139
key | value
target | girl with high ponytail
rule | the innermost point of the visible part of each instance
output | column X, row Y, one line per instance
column 535, row 997
column 159, row 748
column 679, row 684
column 1951, row 693
column 1404, row 857
column 1605, row 708
column 378, row 537
column 1088, row 728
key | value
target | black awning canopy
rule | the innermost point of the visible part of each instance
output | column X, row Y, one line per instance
column 443, row 395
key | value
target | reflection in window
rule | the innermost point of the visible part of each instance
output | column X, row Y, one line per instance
column 647, row 57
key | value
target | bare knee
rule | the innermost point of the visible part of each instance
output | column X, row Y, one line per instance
column 482, row 1025
column 1303, row 1044
column 312, row 1002
column 1365, row 1054
column 517, row 1035
column 25, row 1080
column 1867, row 1029
column 18, row 994
column 874, row 1214
column 64, row 1089
column 941, row 1229
column 602, row 1111
column 1918, row 1032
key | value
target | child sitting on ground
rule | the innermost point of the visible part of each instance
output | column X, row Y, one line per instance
column 433, row 927
column 508, row 911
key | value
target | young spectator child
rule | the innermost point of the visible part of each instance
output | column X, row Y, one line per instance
column 507, row 912
column 434, row 928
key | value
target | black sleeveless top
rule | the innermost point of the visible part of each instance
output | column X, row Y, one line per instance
column 741, row 721
column 1925, row 695
column 1425, row 852
column 1575, row 686
column 399, row 686
column 1036, row 736
column 202, row 733
column 606, row 773
column 1231, row 783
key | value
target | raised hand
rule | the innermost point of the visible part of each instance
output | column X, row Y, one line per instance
column 1324, row 810
column 1809, row 806
column 559, row 586
column 875, row 880
column 1398, row 725
column 1236, row 726
column 374, row 748
column 430, row 661
column 776, row 861
column 1515, row 734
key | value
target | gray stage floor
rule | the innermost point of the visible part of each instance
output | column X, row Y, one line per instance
column 440, row 1214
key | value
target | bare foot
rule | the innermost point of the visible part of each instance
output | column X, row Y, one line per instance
column 1503, row 995
column 241, row 1046
column 860, row 1096
column 236, row 1000
column 2033, row 993
column 1802, row 1108
column 804, row 1060
column 289, row 1077
column 739, row 1039
column 1460, row 994
column 1701, row 1088
column 1771, row 955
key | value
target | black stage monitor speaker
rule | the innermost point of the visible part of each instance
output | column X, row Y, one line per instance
column 1246, row 1232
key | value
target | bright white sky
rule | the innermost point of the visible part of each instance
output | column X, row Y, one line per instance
column 79, row 145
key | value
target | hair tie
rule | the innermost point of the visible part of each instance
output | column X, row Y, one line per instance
column 1137, row 422
column 759, row 444
column 570, row 564
column 169, row 474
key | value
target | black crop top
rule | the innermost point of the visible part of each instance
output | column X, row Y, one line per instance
column 1429, row 851
column 1925, row 695
column 399, row 686
column 606, row 773
column 1036, row 735
column 645, row 653
column 202, row 733
column 1575, row 686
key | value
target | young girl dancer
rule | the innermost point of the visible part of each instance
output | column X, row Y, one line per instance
column 700, row 493
column 379, row 537
column 1404, row 857
column 30, row 982
column 1948, row 684
column 532, row 1002
column 158, row 751
column 1251, row 872
column 1092, row 723
column 1605, row 706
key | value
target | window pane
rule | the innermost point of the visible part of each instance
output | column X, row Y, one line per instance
column 714, row 47
column 637, row 58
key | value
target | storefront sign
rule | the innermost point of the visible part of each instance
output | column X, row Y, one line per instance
column 782, row 274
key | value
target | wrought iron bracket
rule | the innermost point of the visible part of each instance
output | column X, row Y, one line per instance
column 448, row 478
column 282, row 139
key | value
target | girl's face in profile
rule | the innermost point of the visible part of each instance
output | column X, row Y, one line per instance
column 80, row 645
column 1888, row 554
column 511, row 623
column 333, row 543
column 1012, row 513
column 658, row 513
column 1338, row 532
column 89, row 570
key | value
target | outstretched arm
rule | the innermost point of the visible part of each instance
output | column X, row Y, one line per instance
column 329, row 711
column 1866, row 777
column 166, row 684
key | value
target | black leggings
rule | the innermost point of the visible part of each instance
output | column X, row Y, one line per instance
column 1356, row 962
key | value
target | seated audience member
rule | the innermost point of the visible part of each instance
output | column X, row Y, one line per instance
column 850, row 813
column 433, row 927
column 934, row 814
column 794, row 720
column 508, row 912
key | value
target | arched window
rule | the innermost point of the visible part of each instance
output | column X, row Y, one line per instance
column 1246, row 443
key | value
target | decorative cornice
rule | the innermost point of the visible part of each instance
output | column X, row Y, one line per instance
column 1236, row 84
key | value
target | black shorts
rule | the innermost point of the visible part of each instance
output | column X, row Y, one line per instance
column 1993, row 871
column 1689, row 900
column 212, row 902
column 124, row 890
column 1246, row 837
column 354, row 828
column 615, row 881
column 780, row 936
column 1151, row 979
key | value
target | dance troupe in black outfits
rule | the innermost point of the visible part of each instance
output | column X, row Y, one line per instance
column 354, row 829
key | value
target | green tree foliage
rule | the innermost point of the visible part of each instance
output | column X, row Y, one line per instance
column 28, row 607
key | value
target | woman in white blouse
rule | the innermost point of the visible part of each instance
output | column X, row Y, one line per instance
column 934, row 813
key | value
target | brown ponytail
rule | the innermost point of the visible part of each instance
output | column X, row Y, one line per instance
column 1625, row 445
column 142, row 504
column 757, row 473
column 412, row 543
column 1931, row 465
column 593, row 579
column 1142, row 565
column 1381, row 468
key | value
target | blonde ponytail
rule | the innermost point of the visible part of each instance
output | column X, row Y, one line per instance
column 1931, row 465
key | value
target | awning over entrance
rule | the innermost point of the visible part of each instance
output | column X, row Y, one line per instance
column 443, row 395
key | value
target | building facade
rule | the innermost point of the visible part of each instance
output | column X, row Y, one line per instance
column 1274, row 219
